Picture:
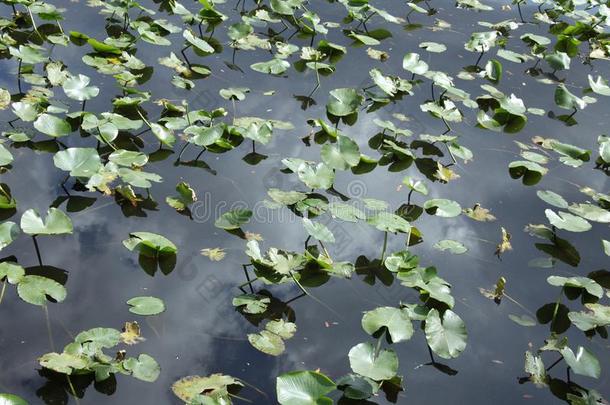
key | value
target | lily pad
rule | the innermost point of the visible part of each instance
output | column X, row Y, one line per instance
column 304, row 388
column 146, row 305
column 364, row 360
column 447, row 338
column 56, row 223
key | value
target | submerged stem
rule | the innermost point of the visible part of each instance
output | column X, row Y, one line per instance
column 48, row 323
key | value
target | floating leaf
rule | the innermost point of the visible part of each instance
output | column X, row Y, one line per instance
column 275, row 66
column 535, row 368
column 35, row 289
column 364, row 360
column 318, row 231
column 552, row 198
column 64, row 363
column 394, row 320
column 505, row 244
column 214, row 388
column 80, row 162
column 8, row 233
column 304, row 388
column 479, row 213
column 56, row 223
column 131, row 333
column 77, row 88
column 447, row 338
column 343, row 155
column 388, row 222
column 252, row 303
column 343, row 102
column 453, row 246
column 144, row 368
column 233, row 219
column 214, row 254
column 583, row 362
column 267, row 342
column 149, row 244
column 567, row 221
column 443, row 208
column 186, row 196
column 5, row 99
column 11, row 399
column 197, row 42
column 523, row 320
column 146, row 305
column 411, row 63
column 577, row 282
column 53, row 126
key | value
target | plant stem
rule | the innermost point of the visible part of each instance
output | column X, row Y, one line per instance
column 182, row 150
column 520, row 14
column 313, row 297
column 557, row 302
column 385, row 245
column 554, row 363
column 143, row 119
column 480, row 56
column 37, row 250
column 48, row 322
column 431, row 355
column 34, row 24
column 249, row 282
column 248, row 278
column 72, row 389
column 3, row 289
column 378, row 347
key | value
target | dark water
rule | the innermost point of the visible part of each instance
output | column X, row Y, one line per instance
column 201, row 333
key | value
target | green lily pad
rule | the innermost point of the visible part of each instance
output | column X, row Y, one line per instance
column 453, row 246
column 146, row 305
column 144, row 368
column 213, row 389
column 342, row 155
column 447, row 338
column 56, row 223
column 80, row 162
column 377, row 366
column 149, row 244
column 35, row 289
column 11, row 399
column 318, row 231
column 344, row 102
column 396, row 322
column 8, row 233
column 443, row 208
column 77, row 88
column 233, row 219
column 53, row 126
column 567, row 221
column 304, row 388
column 583, row 362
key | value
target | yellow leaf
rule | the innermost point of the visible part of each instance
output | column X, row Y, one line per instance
column 505, row 244
column 445, row 174
column 254, row 236
column 214, row 254
column 131, row 333
column 479, row 213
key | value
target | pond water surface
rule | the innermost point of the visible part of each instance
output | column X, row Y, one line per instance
column 200, row 332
